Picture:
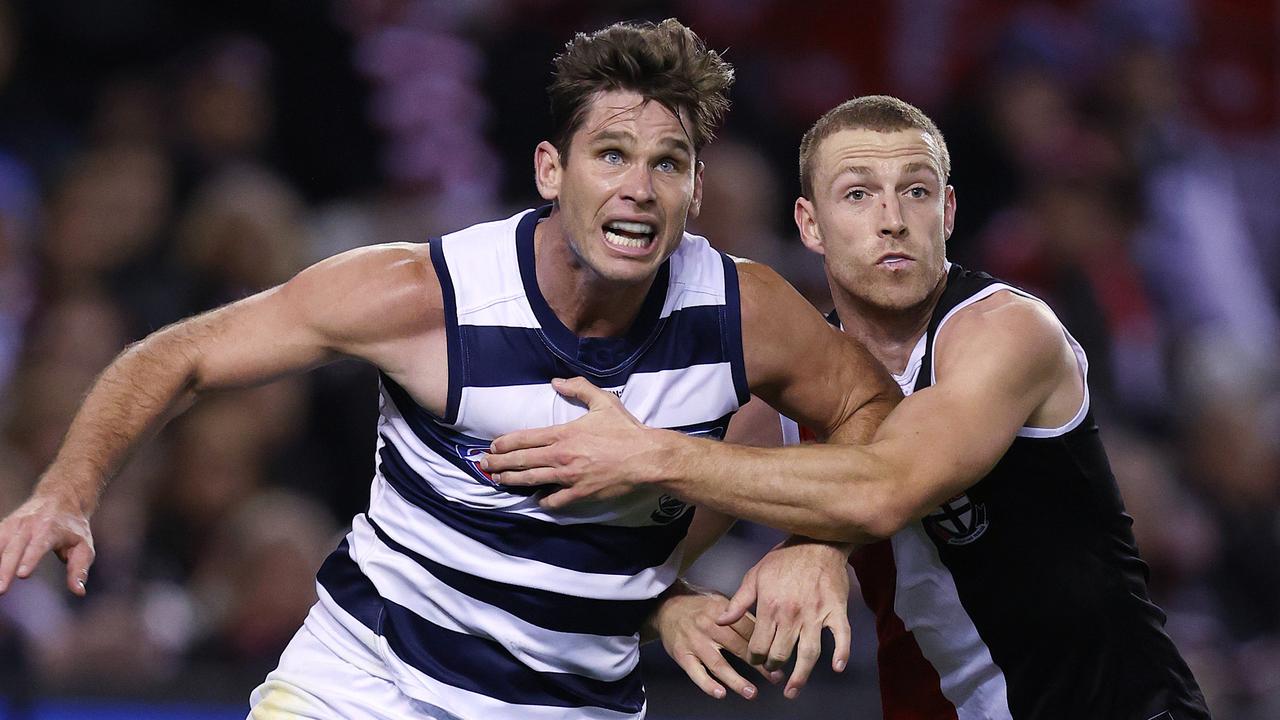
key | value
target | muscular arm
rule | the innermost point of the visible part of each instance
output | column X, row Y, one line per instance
column 1000, row 364
column 368, row 303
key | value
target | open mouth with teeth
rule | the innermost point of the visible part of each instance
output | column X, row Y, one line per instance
column 630, row 236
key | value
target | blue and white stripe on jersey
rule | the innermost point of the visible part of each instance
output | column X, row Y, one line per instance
column 479, row 601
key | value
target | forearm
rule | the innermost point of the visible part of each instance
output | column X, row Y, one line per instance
column 146, row 385
column 830, row 492
column 827, row 492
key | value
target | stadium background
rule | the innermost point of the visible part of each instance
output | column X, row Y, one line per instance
column 1120, row 158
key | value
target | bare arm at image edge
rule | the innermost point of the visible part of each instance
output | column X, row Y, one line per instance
column 367, row 303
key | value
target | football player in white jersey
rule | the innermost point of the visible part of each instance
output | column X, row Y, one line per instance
column 623, row 175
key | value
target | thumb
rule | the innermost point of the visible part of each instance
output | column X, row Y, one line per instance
column 79, row 558
column 581, row 390
column 740, row 603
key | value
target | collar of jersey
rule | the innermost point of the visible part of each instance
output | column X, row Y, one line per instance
column 600, row 355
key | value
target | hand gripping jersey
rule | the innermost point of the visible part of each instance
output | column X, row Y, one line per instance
column 1023, row 597
column 477, row 600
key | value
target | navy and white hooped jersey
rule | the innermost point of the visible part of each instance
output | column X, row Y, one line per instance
column 479, row 601
column 1022, row 598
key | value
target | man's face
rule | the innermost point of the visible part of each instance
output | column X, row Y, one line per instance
column 627, row 187
column 880, row 215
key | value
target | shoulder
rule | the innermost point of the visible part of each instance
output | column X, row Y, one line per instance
column 1005, row 312
column 389, row 268
column 389, row 288
column 769, row 302
column 1017, row 334
column 760, row 285
column 783, row 335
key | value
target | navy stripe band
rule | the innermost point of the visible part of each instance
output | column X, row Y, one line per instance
column 732, row 331
column 546, row 609
column 452, row 339
column 499, row 356
column 472, row 663
column 601, row 549
column 456, row 447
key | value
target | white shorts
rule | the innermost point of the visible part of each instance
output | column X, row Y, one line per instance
column 313, row 682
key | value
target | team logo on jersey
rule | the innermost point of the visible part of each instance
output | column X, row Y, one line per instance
column 958, row 521
column 473, row 454
column 669, row 509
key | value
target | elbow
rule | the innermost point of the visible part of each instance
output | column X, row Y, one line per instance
column 167, row 356
column 871, row 516
column 884, row 522
column 872, row 523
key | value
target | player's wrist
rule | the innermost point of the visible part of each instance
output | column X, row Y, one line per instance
column 673, row 456
column 57, row 488
column 833, row 548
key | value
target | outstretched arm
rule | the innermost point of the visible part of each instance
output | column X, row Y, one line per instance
column 1001, row 363
column 355, row 304
column 795, row 361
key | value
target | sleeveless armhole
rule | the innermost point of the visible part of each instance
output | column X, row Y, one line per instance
column 1082, row 362
column 453, row 338
column 732, row 330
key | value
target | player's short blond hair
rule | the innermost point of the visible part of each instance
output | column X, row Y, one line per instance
column 881, row 113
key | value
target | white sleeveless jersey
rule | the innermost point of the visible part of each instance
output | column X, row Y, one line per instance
column 478, row 601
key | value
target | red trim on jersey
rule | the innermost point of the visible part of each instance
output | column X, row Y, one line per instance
column 910, row 688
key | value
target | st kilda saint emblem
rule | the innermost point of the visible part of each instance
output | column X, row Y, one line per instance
column 958, row 521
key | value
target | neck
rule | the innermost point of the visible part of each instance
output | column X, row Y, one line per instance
column 889, row 334
column 589, row 305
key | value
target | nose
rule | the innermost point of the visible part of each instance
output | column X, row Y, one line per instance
column 891, row 224
column 637, row 184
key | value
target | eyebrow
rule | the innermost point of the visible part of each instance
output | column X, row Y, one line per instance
column 910, row 168
column 855, row 170
column 625, row 138
column 918, row 166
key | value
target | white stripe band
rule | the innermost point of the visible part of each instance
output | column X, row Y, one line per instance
column 408, row 584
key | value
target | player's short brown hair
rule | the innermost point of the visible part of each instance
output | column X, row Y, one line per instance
column 880, row 113
column 665, row 62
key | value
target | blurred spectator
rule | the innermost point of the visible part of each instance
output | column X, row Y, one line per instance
column 226, row 104
column 741, row 202
column 243, row 231
column 75, row 339
column 105, row 228
column 254, row 583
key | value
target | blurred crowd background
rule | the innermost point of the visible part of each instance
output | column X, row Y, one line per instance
column 1120, row 158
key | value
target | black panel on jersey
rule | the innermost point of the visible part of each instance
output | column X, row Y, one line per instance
column 1052, row 580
